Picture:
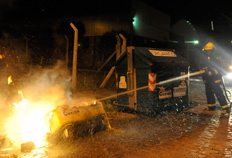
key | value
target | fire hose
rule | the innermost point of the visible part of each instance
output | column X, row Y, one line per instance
column 170, row 80
column 160, row 83
column 226, row 94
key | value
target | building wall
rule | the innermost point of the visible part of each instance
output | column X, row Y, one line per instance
column 185, row 29
column 141, row 24
column 150, row 22
column 139, row 19
column 101, row 24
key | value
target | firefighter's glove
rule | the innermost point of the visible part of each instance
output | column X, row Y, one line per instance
column 207, row 72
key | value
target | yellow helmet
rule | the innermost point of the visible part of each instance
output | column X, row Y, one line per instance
column 209, row 46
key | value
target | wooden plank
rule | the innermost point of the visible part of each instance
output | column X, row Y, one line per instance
column 135, row 92
column 112, row 55
column 130, row 77
column 107, row 77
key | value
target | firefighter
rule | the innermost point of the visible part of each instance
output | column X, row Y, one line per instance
column 213, row 80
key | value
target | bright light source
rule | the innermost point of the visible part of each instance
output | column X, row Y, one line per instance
column 135, row 22
column 192, row 42
column 229, row 76
column 230, row 67
column 196, row 42
column 212, row 26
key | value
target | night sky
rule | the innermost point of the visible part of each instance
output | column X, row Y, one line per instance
column 28, row 11
column 40, row 9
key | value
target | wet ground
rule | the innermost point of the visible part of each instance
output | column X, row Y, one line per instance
column 193, row 133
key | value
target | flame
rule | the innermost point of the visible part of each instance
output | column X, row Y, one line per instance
column 28, row 114
column 29, row 117
column 20, row 93
column 34, row 127
column 10, row 80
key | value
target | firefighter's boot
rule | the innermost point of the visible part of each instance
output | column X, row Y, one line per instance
column 225, row 110
column 211, row 107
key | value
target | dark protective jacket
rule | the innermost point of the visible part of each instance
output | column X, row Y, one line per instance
column 212, row 73
column 213, row 83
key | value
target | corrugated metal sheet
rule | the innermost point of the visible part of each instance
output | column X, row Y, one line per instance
column 150, row 22
column 99, row 25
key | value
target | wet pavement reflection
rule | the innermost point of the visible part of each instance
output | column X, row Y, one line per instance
column 190, row 134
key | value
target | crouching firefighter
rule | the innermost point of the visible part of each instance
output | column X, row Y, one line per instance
column 213, row 80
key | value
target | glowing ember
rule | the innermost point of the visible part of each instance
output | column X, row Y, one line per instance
column 10, row 80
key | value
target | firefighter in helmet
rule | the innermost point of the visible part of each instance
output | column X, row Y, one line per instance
column 213, row 80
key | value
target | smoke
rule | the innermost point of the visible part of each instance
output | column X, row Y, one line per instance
column 52, row 84
column 39, row 91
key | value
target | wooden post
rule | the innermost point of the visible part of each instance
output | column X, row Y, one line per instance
column 118, row 47
column 123, row 47
column 135, row 92
column 75, row 48
column 130, row 76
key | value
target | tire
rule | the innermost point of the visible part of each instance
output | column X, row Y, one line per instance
column 68, row 133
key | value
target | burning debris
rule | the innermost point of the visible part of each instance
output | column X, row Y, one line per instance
column 69, row 123
column 27, row 147
column 42, row 111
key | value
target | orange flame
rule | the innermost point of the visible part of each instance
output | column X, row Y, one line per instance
column 10, row 81
column 30, row 120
